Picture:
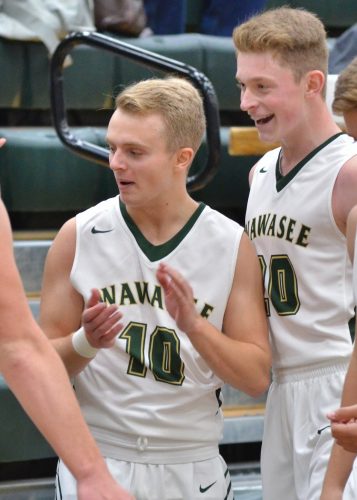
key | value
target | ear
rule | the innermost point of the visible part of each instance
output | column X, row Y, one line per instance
column 315, row 81
column 184, row 158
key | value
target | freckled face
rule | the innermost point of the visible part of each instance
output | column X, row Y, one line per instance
column 270, row 95
column 139, row 157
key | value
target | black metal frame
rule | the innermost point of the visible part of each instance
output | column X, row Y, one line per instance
column 152, row 60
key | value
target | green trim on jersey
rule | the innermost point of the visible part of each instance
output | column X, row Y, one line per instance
column 282, row 181
column 157, row 252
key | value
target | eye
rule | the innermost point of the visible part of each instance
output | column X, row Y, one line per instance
column 135, row 152
column 261, row 86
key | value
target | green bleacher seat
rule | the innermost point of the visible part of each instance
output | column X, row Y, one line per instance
column 39, row 174
column 12, row 73
column 20, row 441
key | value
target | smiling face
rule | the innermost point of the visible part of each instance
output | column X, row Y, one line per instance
column 143, row 166
column 270, row 95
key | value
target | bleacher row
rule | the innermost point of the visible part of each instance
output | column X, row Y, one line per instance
column 43, row 183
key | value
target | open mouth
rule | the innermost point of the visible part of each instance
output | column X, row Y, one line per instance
column 263, row 121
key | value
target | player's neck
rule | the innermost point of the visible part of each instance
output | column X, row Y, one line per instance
column 294, row 151
column 160, row 224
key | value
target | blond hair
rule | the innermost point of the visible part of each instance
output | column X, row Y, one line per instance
column 176, row 100
column 345, row 97
column 296, row 37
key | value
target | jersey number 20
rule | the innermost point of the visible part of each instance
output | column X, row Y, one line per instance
column 282, row 287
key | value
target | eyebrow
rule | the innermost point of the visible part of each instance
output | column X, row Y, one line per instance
column 126, row 144
column 254, row 79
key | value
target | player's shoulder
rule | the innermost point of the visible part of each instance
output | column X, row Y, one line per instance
column 347, row 146
column 102, row 206
column 265, row 164
column 348, row 172
column 103, row 212
column 221, row 220
column 217, row 227
column 352, row 152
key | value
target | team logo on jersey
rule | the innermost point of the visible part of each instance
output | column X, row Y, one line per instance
column 203, row 490
column 263, row 170
column 94, row 230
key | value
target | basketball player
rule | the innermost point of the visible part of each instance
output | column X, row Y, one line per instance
column 301, row 194
column 345, row 98
column 38, row 379
column 177, row 307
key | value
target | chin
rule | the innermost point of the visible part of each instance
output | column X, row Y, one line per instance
column 266, row 137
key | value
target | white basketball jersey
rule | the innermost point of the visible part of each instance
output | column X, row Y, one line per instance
column 307, row 272
column 152, row 398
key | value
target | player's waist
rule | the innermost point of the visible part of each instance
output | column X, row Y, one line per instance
column 282, row 375
column 144, row 449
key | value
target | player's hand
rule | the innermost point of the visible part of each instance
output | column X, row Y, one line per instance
column 2, row 141
column 101, row 322
column 179, row 298
column 101, row 487
column 344, row 414
column 344, row 427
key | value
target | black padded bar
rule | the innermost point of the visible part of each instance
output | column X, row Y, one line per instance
column 143, row 57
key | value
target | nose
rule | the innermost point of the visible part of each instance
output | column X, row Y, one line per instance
column 116, row 160
column 247, row 100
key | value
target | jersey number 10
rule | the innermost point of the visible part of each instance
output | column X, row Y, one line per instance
column 163, row 353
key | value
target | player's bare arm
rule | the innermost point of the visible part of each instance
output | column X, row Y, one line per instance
column 351, row 232
column 343, row 425
column 345, row 447
column 100, row 322
column 251, row 173
column 344, row 420
column 62, row 306
column 242, row 356
column 344, row 196
column 341, row 459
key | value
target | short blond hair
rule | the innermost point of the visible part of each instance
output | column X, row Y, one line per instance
column 176, row 100
column 295, row 37
column 345, row 97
